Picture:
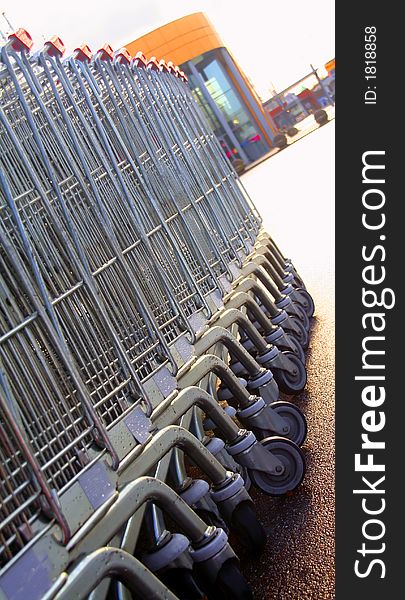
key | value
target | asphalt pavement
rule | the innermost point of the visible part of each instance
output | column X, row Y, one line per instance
column 293, row 191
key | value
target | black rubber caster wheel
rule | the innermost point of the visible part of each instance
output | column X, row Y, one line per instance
column 182, row 583
column 210, row 518
column 306, row 301
column 301, row 335
column 321, row 117
column 280, row 141
column 298, row 313
column 244, row 473
column 298, row 282
column 296, row 421
column 248, row 528
column 230, row 584
column 294, row 468
column 291, row 382
column 292, row 131
column 296, row 348
column 302, row 315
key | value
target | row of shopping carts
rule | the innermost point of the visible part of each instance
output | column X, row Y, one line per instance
column 148, row 324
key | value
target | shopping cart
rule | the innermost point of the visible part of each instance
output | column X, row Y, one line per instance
column 56, row 480
column 128, row 255
column 173, row 221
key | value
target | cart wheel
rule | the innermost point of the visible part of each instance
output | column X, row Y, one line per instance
column 302, row 315
column 244, row 473
column 298, row 282
column 296, row 348
column 291, row 382
column 280, row 141
column 294, row 468
column 182, row 583
column 307, row 302
column 210, row 518
column 295, row 419
column 321, row 117
column 292, row 131
column 230, row 584
column 301, row 335
column 248, row 528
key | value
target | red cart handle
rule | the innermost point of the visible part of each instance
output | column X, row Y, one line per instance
column 183, row 76
column 106, row 52
column 83, row 53
column 140, row 60
column 163, row 66
column 153, row 64
column 122, row 55
column 54, row 46
column 171, row 67
column 21, row 40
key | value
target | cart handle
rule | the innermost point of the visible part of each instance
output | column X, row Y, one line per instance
column 172, row 67
column 183, row 76
column 83, row 53
column 54, row 46
column 140, row 60
column 105, row 52
column 163, row 66
column 21, row 40
column 122, row 55
column 153, row 64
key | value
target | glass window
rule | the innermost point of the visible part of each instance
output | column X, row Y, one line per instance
column 207, row 110
column 220, row 87
column 221, row 90
column 226, row 98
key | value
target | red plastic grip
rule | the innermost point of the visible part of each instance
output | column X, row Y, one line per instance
column 106, row 52
column 21, row 40
column 140, row 55
column 54, row 46
column 83, row 53
column 153, row 64
column 122, row 55
column 140, row 60
column 171, row 67
column 163, row 65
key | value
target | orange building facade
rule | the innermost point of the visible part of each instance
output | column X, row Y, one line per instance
column 229, row 101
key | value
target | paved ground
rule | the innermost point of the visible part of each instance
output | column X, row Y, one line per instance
column 294, row 192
